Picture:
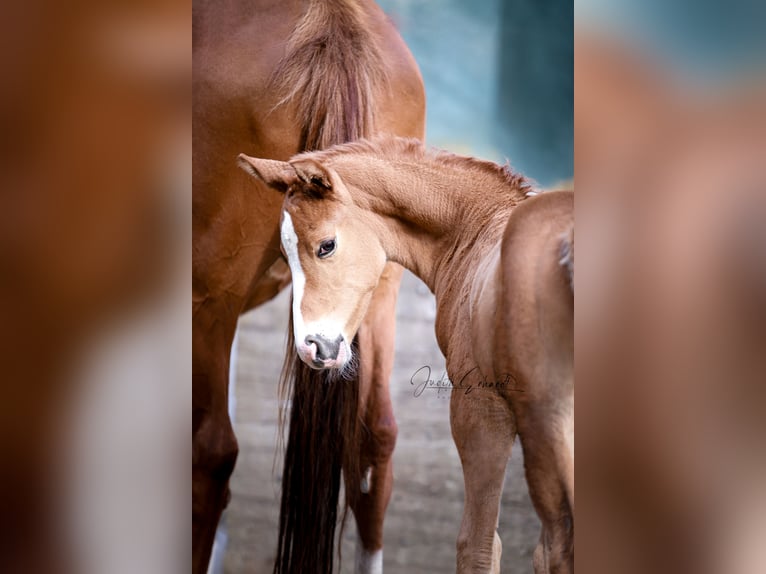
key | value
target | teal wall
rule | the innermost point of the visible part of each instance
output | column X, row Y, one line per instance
column 499, row 78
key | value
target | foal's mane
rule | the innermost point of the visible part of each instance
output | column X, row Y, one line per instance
column 332, row 69
column 399, row 149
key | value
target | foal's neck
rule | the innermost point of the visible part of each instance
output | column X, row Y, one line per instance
column 439, row 213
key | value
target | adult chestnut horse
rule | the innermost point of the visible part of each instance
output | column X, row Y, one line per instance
column 273, row 78
column 501, row 266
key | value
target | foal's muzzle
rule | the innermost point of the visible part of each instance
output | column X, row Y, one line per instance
column 323, row 353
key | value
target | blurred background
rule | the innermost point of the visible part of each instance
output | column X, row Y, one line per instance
column 670, row 328
column 498, row 77
column 499, row 81
column 95, row 259
column 701, row 40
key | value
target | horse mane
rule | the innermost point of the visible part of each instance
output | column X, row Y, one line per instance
column 410, row 149
column 331, row 71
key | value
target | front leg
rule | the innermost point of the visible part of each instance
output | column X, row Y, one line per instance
column 376, row 350
column 483, row 428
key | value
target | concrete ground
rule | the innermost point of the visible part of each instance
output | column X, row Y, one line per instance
column 425, row 510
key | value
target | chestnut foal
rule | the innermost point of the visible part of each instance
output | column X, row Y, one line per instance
column 501, row 266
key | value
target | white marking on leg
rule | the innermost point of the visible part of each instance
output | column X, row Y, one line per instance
column 366, row 481
column 368, row 562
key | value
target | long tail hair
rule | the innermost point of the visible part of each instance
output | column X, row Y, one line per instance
column 331, row 70
column 325, row 434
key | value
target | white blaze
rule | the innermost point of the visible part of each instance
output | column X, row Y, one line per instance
column 326, row 326
column 290, row 245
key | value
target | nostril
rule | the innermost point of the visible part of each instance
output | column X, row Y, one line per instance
column 320, row 345
column 326, row 350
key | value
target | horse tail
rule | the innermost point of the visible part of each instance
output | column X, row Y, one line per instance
column 323, row 437
column 566, row 252
column 330, row 73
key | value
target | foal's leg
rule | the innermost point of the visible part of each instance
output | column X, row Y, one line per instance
column 540, row 558
column 549, row 464
column 483, row 428
column 376, row 343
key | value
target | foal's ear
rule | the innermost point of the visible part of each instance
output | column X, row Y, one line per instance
column 273, row 173
column 312, row 172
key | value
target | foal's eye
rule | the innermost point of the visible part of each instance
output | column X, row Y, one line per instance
column 326, row 248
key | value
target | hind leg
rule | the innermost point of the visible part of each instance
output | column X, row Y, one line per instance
column 540, row 558
column 376, row 342
column 549, row 464
column 483, row 428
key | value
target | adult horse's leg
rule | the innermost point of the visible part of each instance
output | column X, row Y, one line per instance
column 376, row 342
column 213, row 442
column 483, row 427
column 214, row 446
column 221, row 540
